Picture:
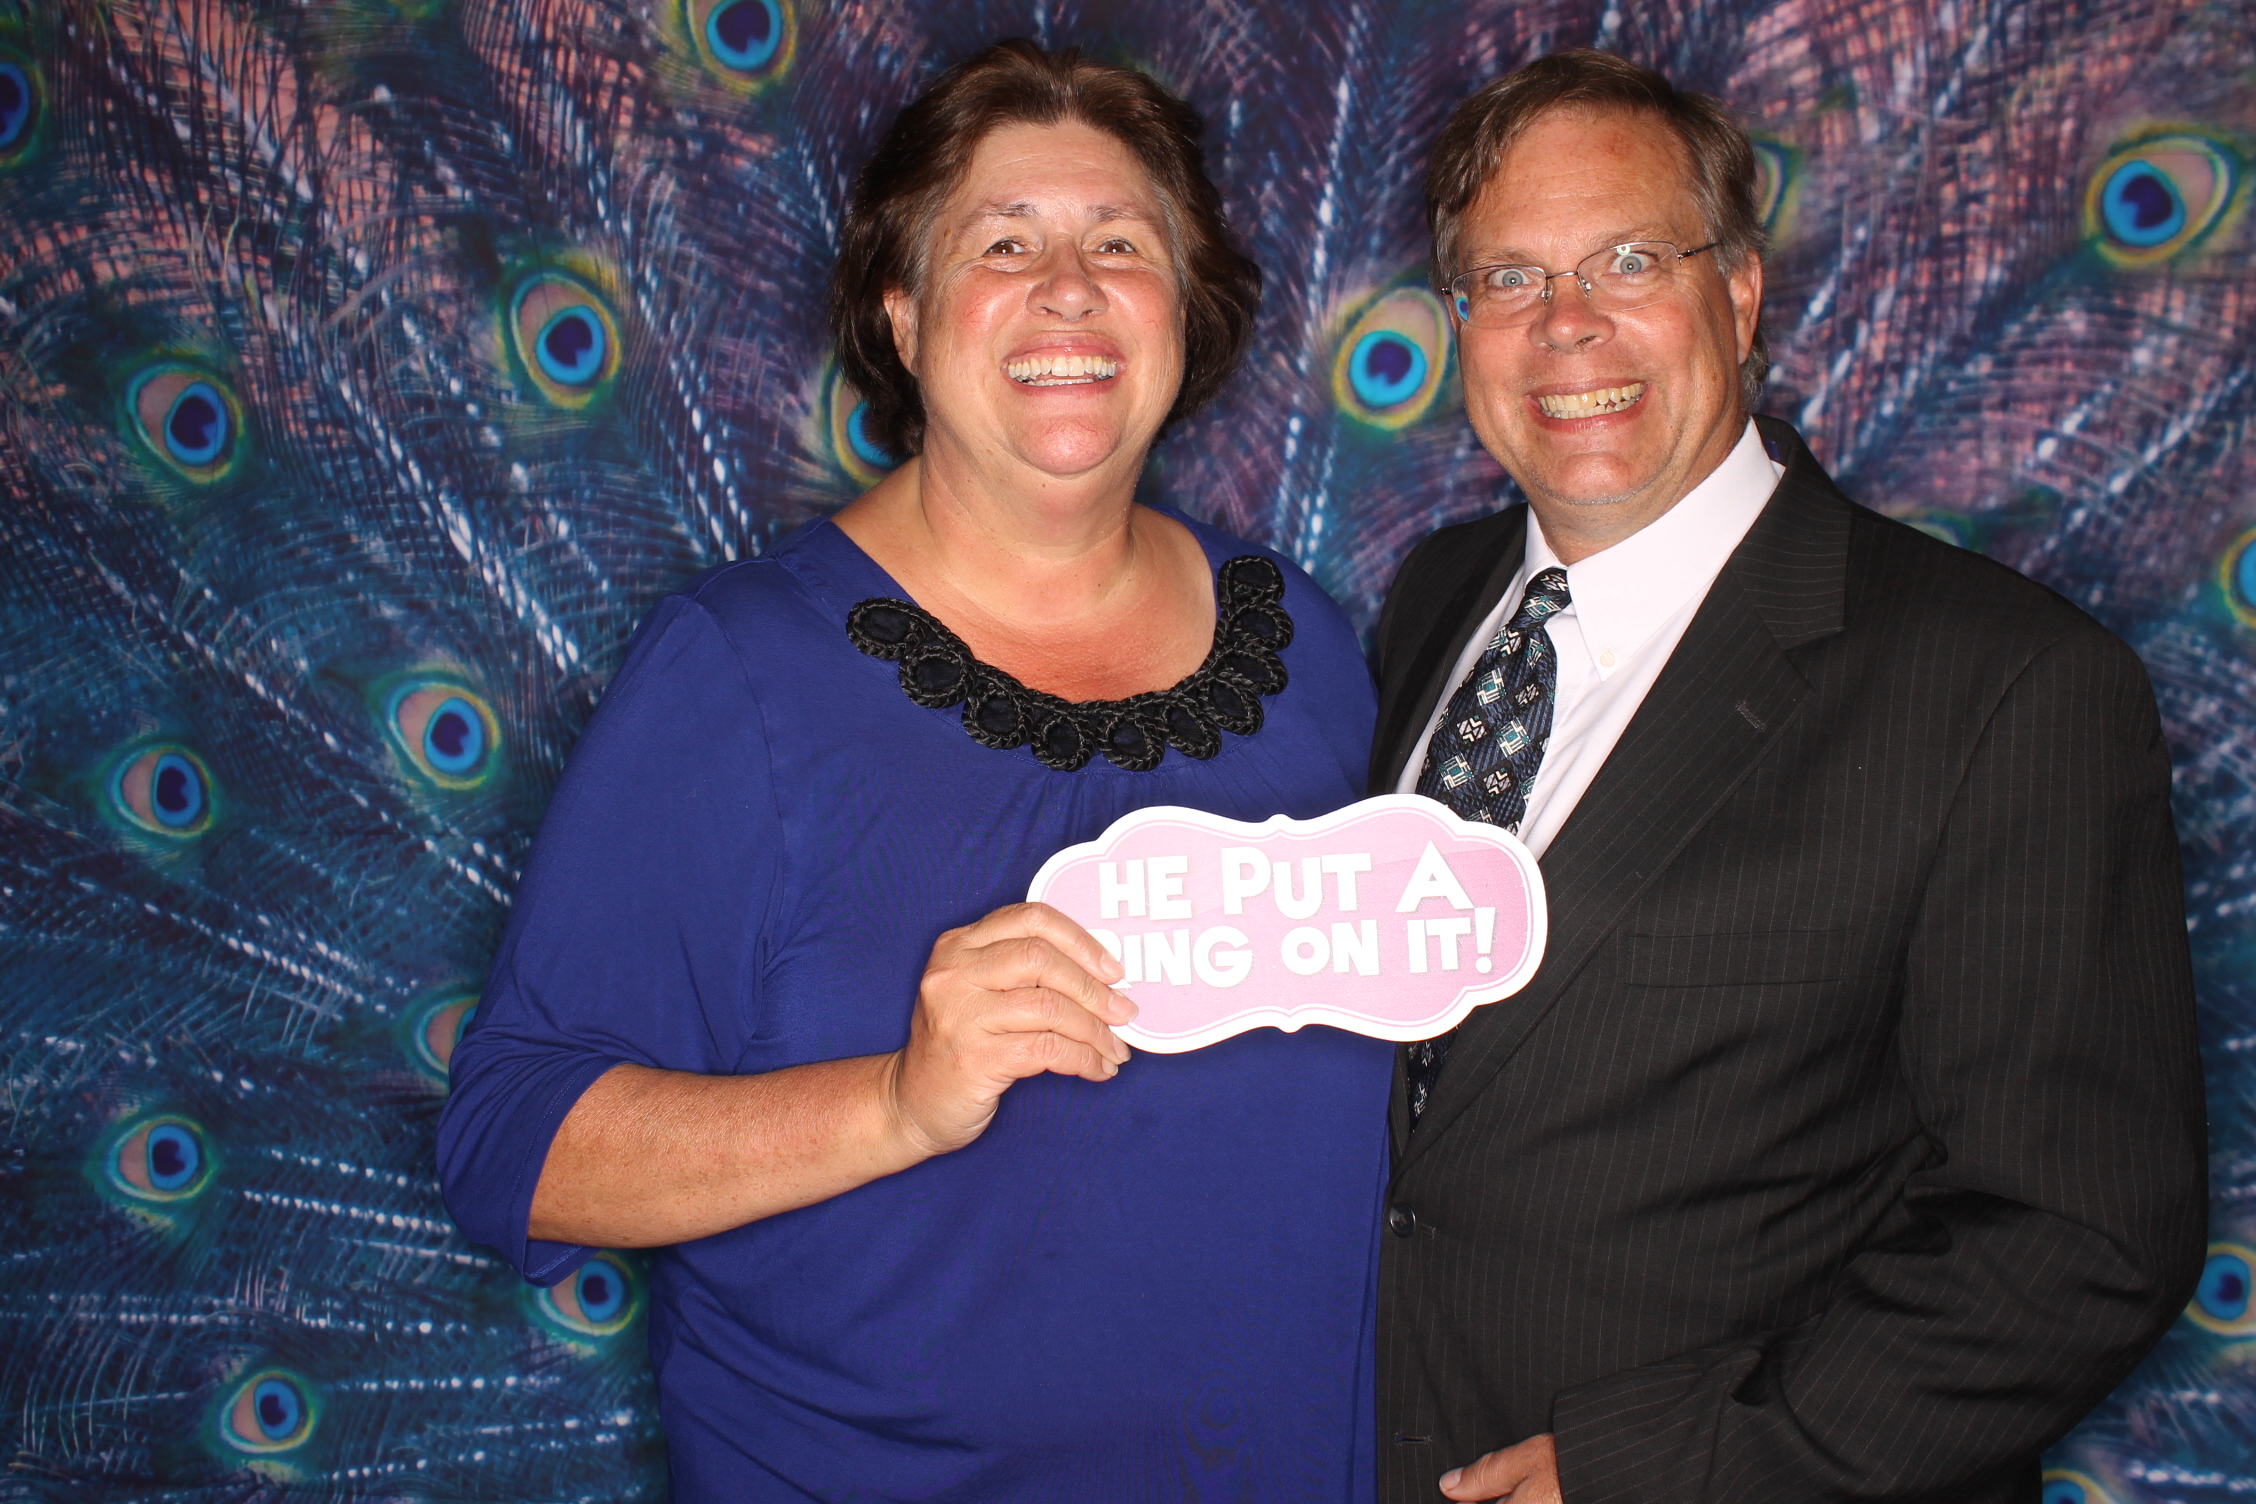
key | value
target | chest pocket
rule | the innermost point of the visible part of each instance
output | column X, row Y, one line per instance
column 1740, row 958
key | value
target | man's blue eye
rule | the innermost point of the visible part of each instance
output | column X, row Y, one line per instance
column 1631, row 265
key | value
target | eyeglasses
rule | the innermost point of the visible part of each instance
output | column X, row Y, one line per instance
column 1615, row 280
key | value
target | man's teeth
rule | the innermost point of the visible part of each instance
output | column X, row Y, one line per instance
column 1606, row 399
column 1061, row 370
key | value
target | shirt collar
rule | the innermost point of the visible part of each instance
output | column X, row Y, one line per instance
column 1622, row 595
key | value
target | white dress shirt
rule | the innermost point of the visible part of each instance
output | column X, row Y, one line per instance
column 1628, row 607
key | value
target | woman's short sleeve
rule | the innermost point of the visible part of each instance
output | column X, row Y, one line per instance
column 637, row 934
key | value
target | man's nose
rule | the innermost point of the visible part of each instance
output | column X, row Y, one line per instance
column 1064, row 289
column 1567, row 321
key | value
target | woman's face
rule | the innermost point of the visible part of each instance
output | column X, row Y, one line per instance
column 1049, row 330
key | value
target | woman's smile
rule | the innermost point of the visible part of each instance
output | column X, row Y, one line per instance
column 1062, row 370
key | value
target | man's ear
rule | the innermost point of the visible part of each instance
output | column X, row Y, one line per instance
column 901, row 309
column 1746, row 286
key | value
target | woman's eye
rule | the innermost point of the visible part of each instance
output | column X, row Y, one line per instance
column 1116, row 247
column 1005, row 248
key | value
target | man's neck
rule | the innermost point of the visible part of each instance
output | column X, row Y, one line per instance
column 1575, row 530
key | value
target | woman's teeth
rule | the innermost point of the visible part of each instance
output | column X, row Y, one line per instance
column 1606, row 399
column 1061, row 370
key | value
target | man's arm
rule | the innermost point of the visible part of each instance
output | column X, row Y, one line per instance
column 2047, row 1036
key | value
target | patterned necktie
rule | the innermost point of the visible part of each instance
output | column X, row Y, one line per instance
column 1484, row 753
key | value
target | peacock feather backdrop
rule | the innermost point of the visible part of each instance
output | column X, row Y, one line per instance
column 370, row 367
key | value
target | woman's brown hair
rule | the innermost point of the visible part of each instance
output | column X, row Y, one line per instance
column 923, row 159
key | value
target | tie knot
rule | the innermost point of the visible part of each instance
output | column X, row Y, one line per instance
column 1546, row 597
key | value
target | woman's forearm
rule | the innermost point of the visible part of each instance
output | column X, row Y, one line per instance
column 648, row 1157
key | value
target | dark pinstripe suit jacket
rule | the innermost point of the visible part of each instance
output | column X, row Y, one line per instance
column 1849, row 1143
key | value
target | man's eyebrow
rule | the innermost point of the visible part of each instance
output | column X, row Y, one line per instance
column 1512, row 255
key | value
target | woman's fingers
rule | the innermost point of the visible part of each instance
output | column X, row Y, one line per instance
column 1040, row 1010
column 1040, row 921
column 1076, row 942
column 1018, row 993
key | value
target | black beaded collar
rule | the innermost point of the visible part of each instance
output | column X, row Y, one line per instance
column 1251, row 628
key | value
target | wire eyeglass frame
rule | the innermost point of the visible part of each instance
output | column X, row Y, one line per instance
column 1665, row 255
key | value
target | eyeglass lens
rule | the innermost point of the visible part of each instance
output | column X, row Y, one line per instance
column 1616, row 280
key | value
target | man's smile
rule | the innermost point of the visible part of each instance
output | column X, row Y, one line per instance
column 1590, row 404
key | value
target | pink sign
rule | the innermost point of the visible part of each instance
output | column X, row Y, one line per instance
column 1391, row 917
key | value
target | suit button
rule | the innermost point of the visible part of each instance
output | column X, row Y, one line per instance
column 1402, row 1221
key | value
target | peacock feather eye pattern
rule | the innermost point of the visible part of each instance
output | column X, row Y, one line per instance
column 845, row 422
column 563, row 338
column 433, row 1029
column 2158, row 196
column 446, row 733
column 187, row 419
column 2067, row 1486
column 601, row 1298
column 2221, row 1301
column 2236, row 577
column 1776, row 169
column 163, row 789
column 745, row 44
column 273, row 1411
column 1388, row 367
column 155, row 1161
column 23, row 107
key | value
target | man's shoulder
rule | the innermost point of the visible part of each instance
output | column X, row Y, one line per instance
column 1904, row 580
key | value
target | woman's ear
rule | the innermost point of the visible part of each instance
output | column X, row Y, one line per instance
column 901, row 310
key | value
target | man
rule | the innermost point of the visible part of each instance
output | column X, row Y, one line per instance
column 1849, row 1143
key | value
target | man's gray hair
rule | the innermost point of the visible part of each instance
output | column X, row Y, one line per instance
column 1720, row 159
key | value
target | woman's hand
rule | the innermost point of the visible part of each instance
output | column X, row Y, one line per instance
column 1020, row 992
column 648, row 1157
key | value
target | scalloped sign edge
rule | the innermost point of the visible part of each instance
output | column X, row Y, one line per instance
column 1385, row 809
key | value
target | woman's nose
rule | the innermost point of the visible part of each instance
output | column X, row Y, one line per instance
column 1066, row 290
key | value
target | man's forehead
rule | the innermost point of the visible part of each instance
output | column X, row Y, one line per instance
column 1592, row 178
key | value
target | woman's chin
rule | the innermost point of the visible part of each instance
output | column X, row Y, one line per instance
column 1068, row 448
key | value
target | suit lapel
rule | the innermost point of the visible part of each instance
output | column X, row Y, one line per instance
column 1727, row 690
column 1435, row 659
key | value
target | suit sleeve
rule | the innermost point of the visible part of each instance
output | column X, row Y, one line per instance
column 2047, row 1035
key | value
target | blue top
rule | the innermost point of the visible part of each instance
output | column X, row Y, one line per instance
column 1157, row 1287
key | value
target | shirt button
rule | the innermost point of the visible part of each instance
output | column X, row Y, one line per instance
column 1607, row 659
column 1401, row 1221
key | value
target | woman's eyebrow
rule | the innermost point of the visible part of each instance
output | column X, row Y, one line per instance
column 1100, row 213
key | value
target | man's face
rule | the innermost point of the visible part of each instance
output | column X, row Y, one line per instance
column 1576, row 182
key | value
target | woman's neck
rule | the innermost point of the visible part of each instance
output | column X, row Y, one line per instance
column 1065, row 583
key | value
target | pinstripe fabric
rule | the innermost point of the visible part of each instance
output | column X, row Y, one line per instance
column 1849, row 1144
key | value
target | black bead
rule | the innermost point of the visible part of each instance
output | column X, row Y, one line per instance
column 886, row 624
column 1224, row 695
column 935, row 677
column 998, row 718
column 1062, row 744
column 1190, row 735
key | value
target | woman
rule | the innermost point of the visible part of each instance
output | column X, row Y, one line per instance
column 927, row 1233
